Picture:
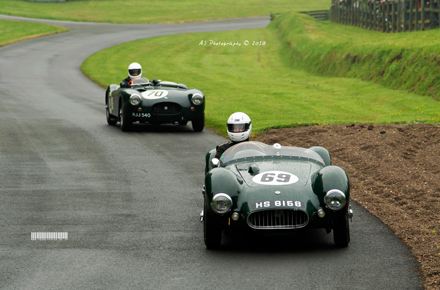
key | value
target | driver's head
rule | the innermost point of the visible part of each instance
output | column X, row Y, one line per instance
column 239, row 127
column 135, row 70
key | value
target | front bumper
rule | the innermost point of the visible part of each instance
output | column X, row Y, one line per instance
column 165, row 112
column 282, row 219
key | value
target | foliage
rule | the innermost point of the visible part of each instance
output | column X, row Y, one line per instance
column 259, row 80
column 13, row 31
column 407, row 61
column 155, row 11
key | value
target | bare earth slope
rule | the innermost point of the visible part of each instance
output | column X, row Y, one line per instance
column 394, row 173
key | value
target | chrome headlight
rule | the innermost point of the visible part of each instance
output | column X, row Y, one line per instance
column 135, row 99
column 335, row 199
column 197, row 99
column 221, row 203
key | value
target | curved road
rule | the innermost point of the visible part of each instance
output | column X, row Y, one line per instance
column 130, row 202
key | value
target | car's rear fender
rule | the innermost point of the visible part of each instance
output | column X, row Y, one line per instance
column 325, row 155
column 209, row 156
column 112, row 99
column 112, row 87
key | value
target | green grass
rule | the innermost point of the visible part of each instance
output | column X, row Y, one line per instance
column 13, row 31
column 259, row 81
column 407, row 61
column 155, row 11
column 269, row 82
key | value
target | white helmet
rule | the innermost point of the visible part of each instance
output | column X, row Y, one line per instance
column 135, row 70
column 239, row 127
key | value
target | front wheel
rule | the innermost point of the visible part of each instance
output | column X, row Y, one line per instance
column 341, row 232
column 212, row 233
column 198, row 124
column 124, row 120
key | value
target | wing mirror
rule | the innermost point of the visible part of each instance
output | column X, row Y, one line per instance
column 215, row 162
column 254, row 169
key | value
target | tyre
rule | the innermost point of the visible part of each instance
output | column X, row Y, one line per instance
column 212, row 233
column 341, row 232
column 124, row 120
column 111, row 120
column 198, row 124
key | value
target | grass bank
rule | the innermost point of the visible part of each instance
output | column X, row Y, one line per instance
column 406, row 61
column 155, row 11
column 13, row 31
column 256, row 79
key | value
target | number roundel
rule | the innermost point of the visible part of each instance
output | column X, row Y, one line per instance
column 275, row 178
column 154, row 94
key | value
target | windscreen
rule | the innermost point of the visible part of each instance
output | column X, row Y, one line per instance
column 255, row 149
column 139, row 82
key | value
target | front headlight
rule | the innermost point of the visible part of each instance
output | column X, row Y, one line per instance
column 197, row 99
column 335, row 199
column 221, row 203
column 135, row 99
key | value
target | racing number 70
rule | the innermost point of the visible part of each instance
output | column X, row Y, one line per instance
column 269, row 177
column 156, row 93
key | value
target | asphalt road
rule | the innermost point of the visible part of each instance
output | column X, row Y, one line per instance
column 130, row 202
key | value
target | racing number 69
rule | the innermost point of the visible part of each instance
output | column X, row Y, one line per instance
column 269, row 177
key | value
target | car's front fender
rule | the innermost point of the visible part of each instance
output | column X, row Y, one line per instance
column 222, row 180
column 330, row 177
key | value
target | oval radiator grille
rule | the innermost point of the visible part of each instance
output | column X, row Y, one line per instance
column 166, row 108
column 278, row 219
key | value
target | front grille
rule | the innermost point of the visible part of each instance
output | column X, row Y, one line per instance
column 166, row 109
column 278, row 219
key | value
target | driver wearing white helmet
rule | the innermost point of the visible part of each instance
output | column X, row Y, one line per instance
column 134, row 72
column 239, row 128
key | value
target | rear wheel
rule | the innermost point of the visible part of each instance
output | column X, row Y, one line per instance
column 124, row 120
column 341, row 232
column 111, row 120
column 212, row 232
column 198, row 124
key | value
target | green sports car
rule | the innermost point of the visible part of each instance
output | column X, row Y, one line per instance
column 156, row 102
column 261, row 188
